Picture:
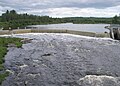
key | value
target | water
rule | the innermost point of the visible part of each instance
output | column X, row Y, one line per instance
column 77, row 27
column 54, row 59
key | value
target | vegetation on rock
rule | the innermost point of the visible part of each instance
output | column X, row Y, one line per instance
column 4, row 42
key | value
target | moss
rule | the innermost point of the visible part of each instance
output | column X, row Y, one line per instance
column 3, row 50
column 18, row 44
column 2, row 76
column 1, row 67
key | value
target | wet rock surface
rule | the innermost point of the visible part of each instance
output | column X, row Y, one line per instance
column 93, row 80
column 63, row 60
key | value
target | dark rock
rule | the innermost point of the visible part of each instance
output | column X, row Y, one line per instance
column 12, row 45
column 26, row 40
column 47, row 54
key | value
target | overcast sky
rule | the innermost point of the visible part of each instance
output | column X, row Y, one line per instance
column 63, row 8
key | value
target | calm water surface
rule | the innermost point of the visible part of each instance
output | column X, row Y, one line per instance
column 78, row 27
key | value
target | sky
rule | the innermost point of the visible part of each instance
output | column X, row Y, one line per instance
column 63, row 8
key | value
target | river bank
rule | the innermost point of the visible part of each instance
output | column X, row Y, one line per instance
column 53, row 59
column 4, row 43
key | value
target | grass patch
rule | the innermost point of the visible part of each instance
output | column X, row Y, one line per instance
column 4, row 42
column 2, row 76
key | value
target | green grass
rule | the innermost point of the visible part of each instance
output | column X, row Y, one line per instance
column 2, row 76
column 3, row 50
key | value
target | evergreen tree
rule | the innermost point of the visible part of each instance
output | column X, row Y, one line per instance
column 115, row 20
column 7, row 12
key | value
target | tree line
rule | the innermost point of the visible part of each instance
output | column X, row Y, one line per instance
column 13, row 19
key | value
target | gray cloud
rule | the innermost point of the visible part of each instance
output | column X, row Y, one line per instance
column 32, row 5
column 44, row 4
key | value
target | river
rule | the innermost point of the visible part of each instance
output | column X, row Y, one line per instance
column 59, row 59
column 99, row 28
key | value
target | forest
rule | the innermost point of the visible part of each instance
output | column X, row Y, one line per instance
column 13, row 19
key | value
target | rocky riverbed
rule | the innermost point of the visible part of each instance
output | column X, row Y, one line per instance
column 63, row 60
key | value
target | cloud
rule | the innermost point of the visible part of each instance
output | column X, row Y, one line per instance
column 84, row 12
column 60, row 8
column 60, row 3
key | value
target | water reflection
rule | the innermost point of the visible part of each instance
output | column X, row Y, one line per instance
column 77, row 27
